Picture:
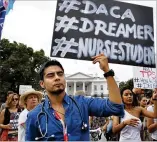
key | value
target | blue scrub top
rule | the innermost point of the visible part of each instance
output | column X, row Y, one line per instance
column 88, row 107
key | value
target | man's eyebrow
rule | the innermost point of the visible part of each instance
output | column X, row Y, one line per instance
column 54, row 72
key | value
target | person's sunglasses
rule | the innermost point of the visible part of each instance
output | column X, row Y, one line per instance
column 15, row 99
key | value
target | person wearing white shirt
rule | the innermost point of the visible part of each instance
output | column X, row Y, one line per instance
column 30, row 100
column 152, row 123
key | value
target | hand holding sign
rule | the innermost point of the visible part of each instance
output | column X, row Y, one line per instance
column 103, row 62
column 155, row 94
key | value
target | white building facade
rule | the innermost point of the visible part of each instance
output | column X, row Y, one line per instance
column 90, row 84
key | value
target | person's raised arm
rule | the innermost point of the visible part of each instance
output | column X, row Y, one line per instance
column 148, row 113
column 151, row 125
column 114, row 92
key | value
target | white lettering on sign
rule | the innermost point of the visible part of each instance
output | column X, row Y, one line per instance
column 86, row 23
column 98, row 26
column 128, row 14
column 66, row 23
column 112, row 11
column 85, row 47
column 69, row 5
column 114, row 50
column 91, row 8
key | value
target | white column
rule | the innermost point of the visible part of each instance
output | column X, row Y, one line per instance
column 84, row 87
column 92, row 92
column 74, row 88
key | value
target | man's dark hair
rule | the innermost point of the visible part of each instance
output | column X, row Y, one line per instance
column 10, row 92
column 47, row 64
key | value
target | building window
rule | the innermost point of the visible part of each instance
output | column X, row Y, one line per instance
column 95, row 88
column 102, row 87
column 102, row 95
column 69, row 88
column 85, row 88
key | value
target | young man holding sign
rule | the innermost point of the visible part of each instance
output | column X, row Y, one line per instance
column 65, row 118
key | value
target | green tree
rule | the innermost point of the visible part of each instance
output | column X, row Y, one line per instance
column 19, row 65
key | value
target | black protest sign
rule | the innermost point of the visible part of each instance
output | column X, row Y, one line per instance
column 122, row 31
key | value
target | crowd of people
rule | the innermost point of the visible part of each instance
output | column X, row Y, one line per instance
column 124, row 116
column 139, row 122
column 14, row 114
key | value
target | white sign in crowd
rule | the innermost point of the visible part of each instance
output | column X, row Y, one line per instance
column 24, row 88
column 144, row 77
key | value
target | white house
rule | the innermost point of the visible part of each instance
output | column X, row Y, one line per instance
column 89, row 83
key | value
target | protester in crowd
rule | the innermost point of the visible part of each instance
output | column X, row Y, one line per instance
column 30, row 99
column 152, row 123
column 9, row 119
column 110, row 136
column 143, row 103
column 4, row 104
column 61, row 117
column 21, row 106
column 130, row 125
column 149, row 102
column 137, row 92
column 98, row 122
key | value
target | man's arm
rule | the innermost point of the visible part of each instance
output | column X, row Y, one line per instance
column 102, row 107
column 114, row 92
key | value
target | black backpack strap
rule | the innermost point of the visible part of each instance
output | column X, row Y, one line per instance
column 19, row 110
column 6, row 116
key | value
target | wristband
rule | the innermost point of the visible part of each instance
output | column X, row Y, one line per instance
column 109, row 73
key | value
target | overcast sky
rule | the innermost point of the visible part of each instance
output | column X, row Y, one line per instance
column 31, row 23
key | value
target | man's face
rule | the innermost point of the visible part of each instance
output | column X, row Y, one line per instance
column 32, row 101
column 53, row 80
